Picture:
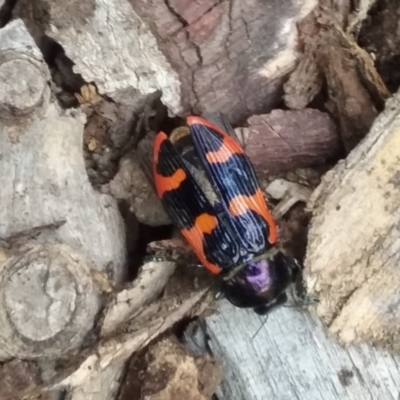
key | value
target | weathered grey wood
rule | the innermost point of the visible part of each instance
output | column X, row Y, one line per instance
column 49, row 292
column 18, row 52
column 292, row 357
column 230, row 56
column 49, row 302
column 42, row 168
column 105, row 382
column 151, row 281
column 130, row 324
column 100, row 386
column 130, row 183
column 42, row 178
column 153, row 321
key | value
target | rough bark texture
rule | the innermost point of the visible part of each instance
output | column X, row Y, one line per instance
column 18, row 378
column 353, row 251
column 169, row 371
column 331, row 56
column 130, row 184
column 231, row 56
column 379, row 36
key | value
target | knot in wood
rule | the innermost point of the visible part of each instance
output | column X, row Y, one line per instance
column 48, row 301
column 22, row 87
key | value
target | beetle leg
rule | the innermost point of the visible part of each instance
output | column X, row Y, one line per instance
column 280, row 300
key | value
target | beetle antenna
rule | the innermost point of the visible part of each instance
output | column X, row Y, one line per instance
column 259, row 329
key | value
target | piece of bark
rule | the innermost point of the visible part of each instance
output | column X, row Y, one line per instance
column 356, row 92
column 361, row 9
column 171, row 372
column 18, row 378
column 291, row 216
column 231, row 55
column 284, row 140
column 304, row 83
column 353, row 246
column 379, row 36
column 130, row 301
column 350, row 99
column 289, row 193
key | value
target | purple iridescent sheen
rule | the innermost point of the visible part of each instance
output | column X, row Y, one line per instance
column 258, row 275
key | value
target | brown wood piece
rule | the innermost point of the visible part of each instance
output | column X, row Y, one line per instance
column 284, row 140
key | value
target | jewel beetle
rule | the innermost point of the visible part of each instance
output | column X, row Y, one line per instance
column 224, row 217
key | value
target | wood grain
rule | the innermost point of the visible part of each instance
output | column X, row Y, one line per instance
column 293, row 357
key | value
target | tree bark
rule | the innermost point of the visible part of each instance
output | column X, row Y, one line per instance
column 230, row 56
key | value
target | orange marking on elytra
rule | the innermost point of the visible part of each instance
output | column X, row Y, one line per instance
column 220, row 156
column 229, row 145
column 165, row 183
column 192, row 120
column 160, row 138
column 240, row 204
column 205, row 223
